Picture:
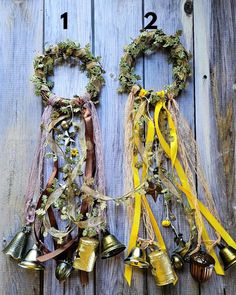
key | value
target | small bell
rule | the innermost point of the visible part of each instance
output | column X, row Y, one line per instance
column 63, row 270
column 162, row 269
column 177, row 261
column 65, row 125
column 179, row 253
column 137, row 257
column 30, row 261
column 228, row 256
column 201, row 266
column 86, row 254
column 110, row 246
column 16, row 247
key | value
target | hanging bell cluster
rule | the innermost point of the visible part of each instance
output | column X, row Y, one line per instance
column 16, row 249
column 162, row 267
column 160, row 263
column 86, row 253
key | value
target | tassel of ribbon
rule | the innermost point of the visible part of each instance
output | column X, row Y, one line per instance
column 34, row 181
column 185, row 188
column 139, row 198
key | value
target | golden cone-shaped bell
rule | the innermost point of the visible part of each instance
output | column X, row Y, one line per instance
column 111, row 246
column 201, row 266
column 86, row 254
column 63, row 270
column 16, row 247
column 162, row 269
column 137, row 257
column 228, row 256
column 30, row 261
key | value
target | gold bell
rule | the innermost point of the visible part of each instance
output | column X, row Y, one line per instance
column 162, row 269
column 201, row 266
column 16, row 247
column 86, row 254
column 30, row 261
column 137, row 257
column 177, row 261
column 111, row 246
column 63, row 270
column 228, row 256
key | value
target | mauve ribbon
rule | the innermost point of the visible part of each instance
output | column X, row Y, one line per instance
column 34, row 182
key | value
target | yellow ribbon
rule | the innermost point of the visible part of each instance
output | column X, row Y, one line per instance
column 138, row 197
column 185, row 187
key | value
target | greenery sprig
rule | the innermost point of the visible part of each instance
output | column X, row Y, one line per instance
column 149, row 42
column 71, row 53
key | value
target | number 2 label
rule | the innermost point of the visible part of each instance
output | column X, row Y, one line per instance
column 152, row 22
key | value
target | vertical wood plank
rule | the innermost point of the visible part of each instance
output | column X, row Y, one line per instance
column 215, row 48
column 79, row 30
column 158, row 73
column 115, row 23
column 21, row 36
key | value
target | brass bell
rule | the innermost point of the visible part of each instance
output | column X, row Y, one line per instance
column 86, row 254
column 228, row 256
column 63, row 270
column 30, row 261
column 65, row 125
column 137, row 258
column 111, row 246
column 162, row 269
column 179, row 253
column 177, row 261
column 16, row 247
column 201, row 266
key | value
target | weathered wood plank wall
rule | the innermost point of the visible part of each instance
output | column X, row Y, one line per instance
column 27, row 27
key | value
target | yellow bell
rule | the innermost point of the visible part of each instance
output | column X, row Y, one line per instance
column 86, row 254
column 137, row 258
column 30, row 261
column 16, row 247
column 162, row 269
column 228, row 256
column 111, row 246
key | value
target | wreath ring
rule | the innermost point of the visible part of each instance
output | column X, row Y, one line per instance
column 149, row 42
column 71, row 53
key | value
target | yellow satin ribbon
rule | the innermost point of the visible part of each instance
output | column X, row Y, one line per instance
column 185, row 187
column 138, row 197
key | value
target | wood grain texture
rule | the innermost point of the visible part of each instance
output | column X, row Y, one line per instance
column 19, row 128
column 215, row 47
column 27, row 28
column 115, row 22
